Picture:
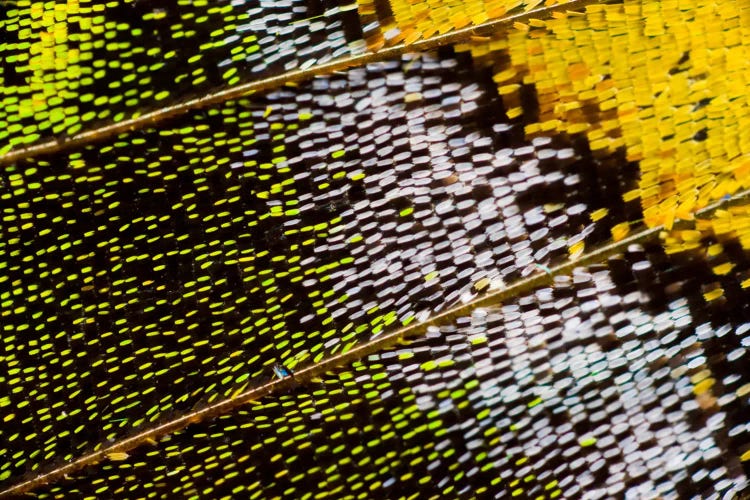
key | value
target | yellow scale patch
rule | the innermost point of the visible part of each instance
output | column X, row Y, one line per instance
column 416, row 19
column 666, row 82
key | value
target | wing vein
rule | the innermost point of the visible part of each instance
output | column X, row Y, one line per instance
column 152, row 118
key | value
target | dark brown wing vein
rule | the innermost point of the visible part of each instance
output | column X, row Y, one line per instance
column 154, row 117
column 516, row 289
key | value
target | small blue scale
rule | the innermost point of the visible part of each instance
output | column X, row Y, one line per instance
column 281, row 371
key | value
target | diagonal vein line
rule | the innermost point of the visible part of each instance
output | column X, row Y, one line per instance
column 520, row 287
column 305, row 374
column 64, row 143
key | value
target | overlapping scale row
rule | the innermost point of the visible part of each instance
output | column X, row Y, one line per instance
column 665, row 82
column 656, row 90
column 171, row 267
column 69, row 65
column 279, row 229
column 387, row 22
column 620, row 381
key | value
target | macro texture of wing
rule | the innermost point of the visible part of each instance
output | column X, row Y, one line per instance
column 153, row 271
